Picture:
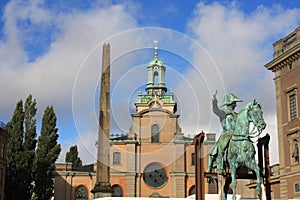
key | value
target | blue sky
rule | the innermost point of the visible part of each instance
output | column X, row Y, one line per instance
column 52, row 49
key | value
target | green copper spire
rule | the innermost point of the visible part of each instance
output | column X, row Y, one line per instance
column 156, row 85
column 156, row 74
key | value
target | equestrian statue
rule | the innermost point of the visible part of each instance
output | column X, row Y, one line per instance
column 234, row 148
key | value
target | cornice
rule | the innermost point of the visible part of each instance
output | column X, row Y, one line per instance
column 284, row 59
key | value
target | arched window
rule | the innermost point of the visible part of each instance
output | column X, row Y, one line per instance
column 192, row 190
column 81, row 193
column 116, row 158
column 116, row 191
column 155, row 77
column 155, row 133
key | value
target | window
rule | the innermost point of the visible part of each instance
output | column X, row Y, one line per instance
column 155, row 175
column 297, row 187
column 155, row 133
column 2, row 150
column 1, row 175
column 116, row 191
column 193, row 158
column 155, row 78
column 116, row 158
column 289, row 40
column 81, row 193
column 290, row 66
column 293, row 107
column 192, row 190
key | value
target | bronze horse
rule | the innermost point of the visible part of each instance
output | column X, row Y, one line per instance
column 240, row 150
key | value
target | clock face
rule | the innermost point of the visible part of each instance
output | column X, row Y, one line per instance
column 155, row 176
column 155, row 67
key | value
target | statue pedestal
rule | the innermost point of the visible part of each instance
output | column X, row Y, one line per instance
column 102, row 190
column 220, row 187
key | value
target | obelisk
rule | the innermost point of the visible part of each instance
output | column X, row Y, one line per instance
column 102, row 187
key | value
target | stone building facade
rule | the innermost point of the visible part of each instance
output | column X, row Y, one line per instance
column 3, row 144
column 286, row 68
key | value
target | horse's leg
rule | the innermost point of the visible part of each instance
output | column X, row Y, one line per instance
column 233, row 179
column 220, row 161
column 253, row 165
column 226, row 186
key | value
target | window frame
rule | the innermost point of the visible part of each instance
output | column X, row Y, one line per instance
column 116, row 158
column 1, row 175
column 297, row 190
column 193, row 159
column 192, row 190
column 155, row 136
column 289, row 92
column 85, row 190
column 2, row 150
column 293, row 111
column 114, row 190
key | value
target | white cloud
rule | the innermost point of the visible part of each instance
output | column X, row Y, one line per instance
column 239, row 45
column 50, row 77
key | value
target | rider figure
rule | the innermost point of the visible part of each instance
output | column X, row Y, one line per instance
column 227, row 118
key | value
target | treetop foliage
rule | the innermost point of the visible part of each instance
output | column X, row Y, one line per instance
column 30, row 161
column 72, row 156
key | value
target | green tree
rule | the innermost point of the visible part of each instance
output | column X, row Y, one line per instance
column 21, row 150
column 15, row 129
column 72, row 156
column 47, row 153
column 29, row 146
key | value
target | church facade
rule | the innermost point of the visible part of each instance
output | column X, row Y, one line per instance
column 154, row 159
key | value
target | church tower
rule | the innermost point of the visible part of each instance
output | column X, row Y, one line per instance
column 156, row 89
column 152, row 160
column 156, row 75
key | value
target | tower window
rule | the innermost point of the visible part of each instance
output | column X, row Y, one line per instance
column 293, row 107
column 155, row 77
column 116, row 158
column 155, row 133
